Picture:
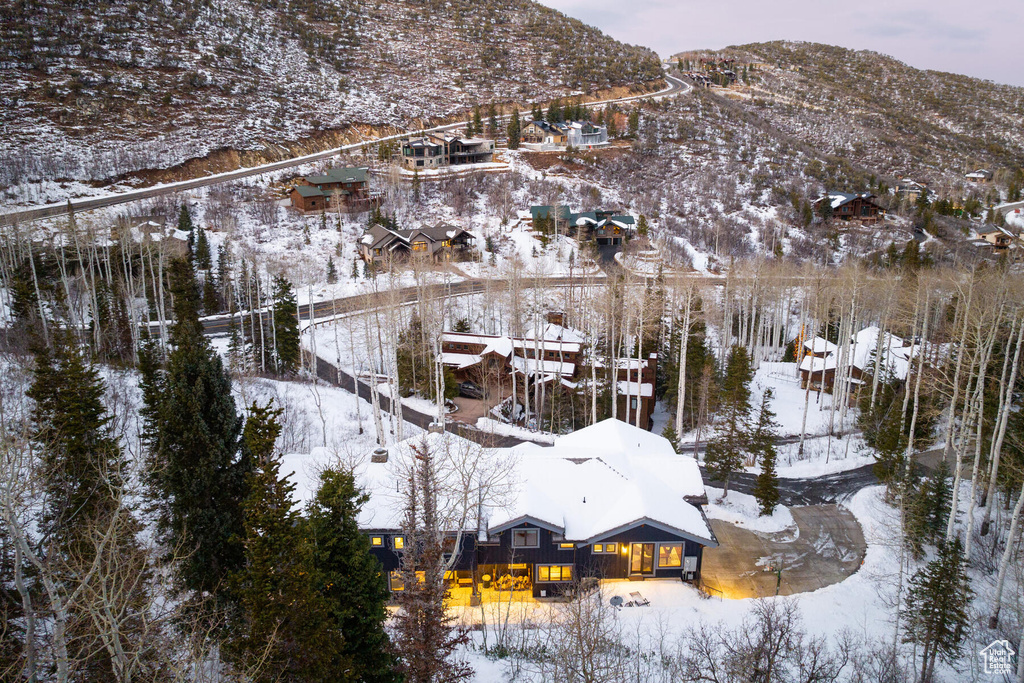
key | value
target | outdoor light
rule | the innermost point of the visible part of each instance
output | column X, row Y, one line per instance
column 625, row 550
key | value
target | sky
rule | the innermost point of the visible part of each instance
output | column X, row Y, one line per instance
column 980, row 38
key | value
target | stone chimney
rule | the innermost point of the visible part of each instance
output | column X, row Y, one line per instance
column 379, row 455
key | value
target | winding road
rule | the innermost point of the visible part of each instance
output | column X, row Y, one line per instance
column 675, row 87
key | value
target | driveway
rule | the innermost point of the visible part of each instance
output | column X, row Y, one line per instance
column 830, row 547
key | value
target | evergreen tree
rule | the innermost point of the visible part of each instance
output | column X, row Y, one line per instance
column 355, row 268
column 762, row 447
column 191, row 431
column 84, row 527
column 825, row 208
column 492, row 120
column 669, row 432
column 211, row 297
column 936, row 613
column 536, row 114
column 286, row 326
column 185, row 225
column 416, row 186
column 350, row 578
column 332, row 271
column 555, row 111
column 634, row 123
column 283, row 628
column 82, row 461
column 613, row 125
column 642, row 226
column 478, row 122
column 725, row 451
column 202, row 251
column 515, row 132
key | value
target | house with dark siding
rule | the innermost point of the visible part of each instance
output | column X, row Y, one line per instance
column 610, row 501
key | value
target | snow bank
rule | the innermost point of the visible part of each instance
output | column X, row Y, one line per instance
column 742, row 510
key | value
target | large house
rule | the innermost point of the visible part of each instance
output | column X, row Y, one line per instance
column 605, row 227
column 606, row 502
column 819, row 359
column 847, row 206
column 982, row 176
column 544, row 136
column 432, row 151
column 999, row 238
column 441, row 242
column 344, row 188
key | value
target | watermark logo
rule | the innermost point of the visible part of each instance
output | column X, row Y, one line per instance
column 998, row 657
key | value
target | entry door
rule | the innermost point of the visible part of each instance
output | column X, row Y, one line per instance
column 641, row 560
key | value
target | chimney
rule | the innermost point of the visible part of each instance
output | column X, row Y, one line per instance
column 379, row 455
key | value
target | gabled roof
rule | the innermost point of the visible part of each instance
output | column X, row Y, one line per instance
column 307, row 191
column 607, row 478
column 348, row 175
column 560, row 211
column 598, row 481
column 839, row 199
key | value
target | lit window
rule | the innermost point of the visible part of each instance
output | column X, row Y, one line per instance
column 526, row 538
column 399, row 542
column 566, row 546
column 609, row 548
column 670, row 555
column 554, row 572
column 598, row 548
column 376, row 541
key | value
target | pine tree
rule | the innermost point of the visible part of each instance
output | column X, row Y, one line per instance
column 286, row 326
column 355, row 268
column 185, row 225
column 191, row 432
column 725, row 451
column 349, row 577
column 669, row 432
column 82, row 462
column 283, row 623
column 936, row 614
column 634, row 123
column 202, row 252
column 478, row 122
column 492, row 120
column 332, row 271
column 211, row 297
column 762, row 447
column 555, row 111
column 416, row 182
column 515, row 132
column 613, row 125
column 642, row 226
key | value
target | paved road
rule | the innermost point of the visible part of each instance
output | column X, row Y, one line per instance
column 675, row 87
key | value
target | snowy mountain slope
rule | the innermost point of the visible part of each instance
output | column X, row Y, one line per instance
column 94, row 90
column 875, row 111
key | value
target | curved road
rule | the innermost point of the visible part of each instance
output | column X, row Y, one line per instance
column 675, row 87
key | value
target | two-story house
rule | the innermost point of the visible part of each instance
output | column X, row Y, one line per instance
column 609, row 501
column 347, row 189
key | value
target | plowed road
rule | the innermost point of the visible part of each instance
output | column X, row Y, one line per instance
column 675, row 87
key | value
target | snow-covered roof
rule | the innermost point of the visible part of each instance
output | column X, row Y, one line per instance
column 820, row 345
column 556, row 333
column 646, row 389
column 604, row 478
column 591, row 484
column 459, row 361
column 531, row 366
column 547, row 345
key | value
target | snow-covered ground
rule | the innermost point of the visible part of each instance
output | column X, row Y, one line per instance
column 858, row 605
column 742, row 510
